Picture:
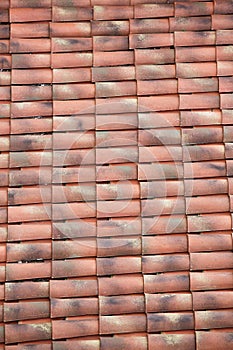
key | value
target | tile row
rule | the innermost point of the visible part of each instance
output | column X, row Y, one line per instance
column 105, row 246
column 111, row 10
column 152, row 342
column 163, row 55
column 26, row 124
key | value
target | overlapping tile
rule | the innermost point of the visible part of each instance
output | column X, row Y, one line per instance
column 116, row 174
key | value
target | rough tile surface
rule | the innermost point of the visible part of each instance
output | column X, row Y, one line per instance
column 116, row 175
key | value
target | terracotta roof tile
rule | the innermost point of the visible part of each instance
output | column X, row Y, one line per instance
column 150, row 56
column 211, row 260
column 74, row 229
column 121, row 284
column 168, row 170
column 221, row 21
column 212, row 300
column 224, row 37
column 206, row 339
column 117, row 265
column 178, row 242
column 71, row 123
column 225, row 84
column 204, row 169
column 73, row 193
column 200, row 38
column 153, row 10
column 4, row 12
column 73, row 307
column 81, row 248
column 166, row 282
column 170, row 321
column 164, row 340
column 6, row 60
column 210, row 242
column 149, row 72
column 82, row 29
column 118, row 105
column 119, row 227
column 223, row 6
column 159, row 153
column 110, row 43
column 165, row 263
column 30, row 30
column 197, row 85
column 194, row 9
column 71, row 13
column 168, row 302
column 205, row 186
column 28, row 251
column 137, row 41
column 121, row 304
column 138, row 26
column 209, row 222
column 28, row 45
column 210, row 280
column 43, row 345
column 34, row 60
column 207, row 319
column 196, row 70
column 122, row 324
column 31, row 109
column 70, row 288
column 27, row 93
column 226, row 101
column 31, row 125
column 112, row 2
column 202, row 135
column 30, row 15
column 112, row 12
column 70, row 44
column 224, row 53
column 116, row 182
column 26, row 311
column 120, row 58
column 80, row 268
column 118, row 246
column 118, row 191
column 25, row 231
column 111, row 89
column 158, row 103
column 92, row 344
column 27, row 332
column 74, row 327
column 113, row 73
column 104, row 28
column 32, row 270
column 25, row 3
column 190, row 23
column 75, row 59
column 30, row 176
column 154, row 87
column 158, row 119
column 204, row 152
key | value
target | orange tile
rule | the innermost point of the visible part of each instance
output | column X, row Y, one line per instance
column 112, row 12
column 80, row 326
column 104, row 28
column 30, row 14
column 162, row 341
column 194, row 9
column 153, row 10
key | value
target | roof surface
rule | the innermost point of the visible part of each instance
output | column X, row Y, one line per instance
column 116, row 197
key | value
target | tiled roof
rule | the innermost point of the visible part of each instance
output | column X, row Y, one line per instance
column 116, row 180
